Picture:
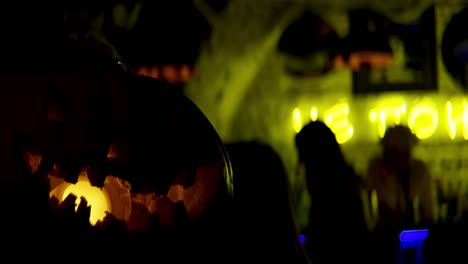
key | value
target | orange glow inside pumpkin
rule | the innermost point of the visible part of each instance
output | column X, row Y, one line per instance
column 97, row 198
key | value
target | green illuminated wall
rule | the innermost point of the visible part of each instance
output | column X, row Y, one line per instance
column 244, row 91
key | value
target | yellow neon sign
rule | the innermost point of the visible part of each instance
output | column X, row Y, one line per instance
column 313, row 114
column 337, row 119
column 427, row 120
column 385, row 114
column 423, row 130
column 297, row 120
column 454, row 122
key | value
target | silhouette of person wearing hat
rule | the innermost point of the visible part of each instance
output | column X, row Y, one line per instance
column 404, row 188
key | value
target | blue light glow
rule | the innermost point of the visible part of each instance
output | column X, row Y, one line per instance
column 418, row 235
column 302, row 239
column 413, row 239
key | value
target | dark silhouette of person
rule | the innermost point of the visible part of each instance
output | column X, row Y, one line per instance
column 264, row 226
column 406, row 193
column 336, row 218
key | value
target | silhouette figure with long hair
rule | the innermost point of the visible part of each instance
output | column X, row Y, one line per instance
column 335, row 215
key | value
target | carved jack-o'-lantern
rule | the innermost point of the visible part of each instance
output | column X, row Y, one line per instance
column 166, row 165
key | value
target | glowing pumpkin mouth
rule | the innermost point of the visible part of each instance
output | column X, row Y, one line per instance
column 97, row 199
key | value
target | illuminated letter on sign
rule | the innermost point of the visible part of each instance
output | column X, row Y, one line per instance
column 453, row 122
column 297, row 120
column 381, row 116
column 421, row 127
column 337, row 119
column 313, row 114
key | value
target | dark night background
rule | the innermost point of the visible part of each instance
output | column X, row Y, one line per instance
column 167, row 32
